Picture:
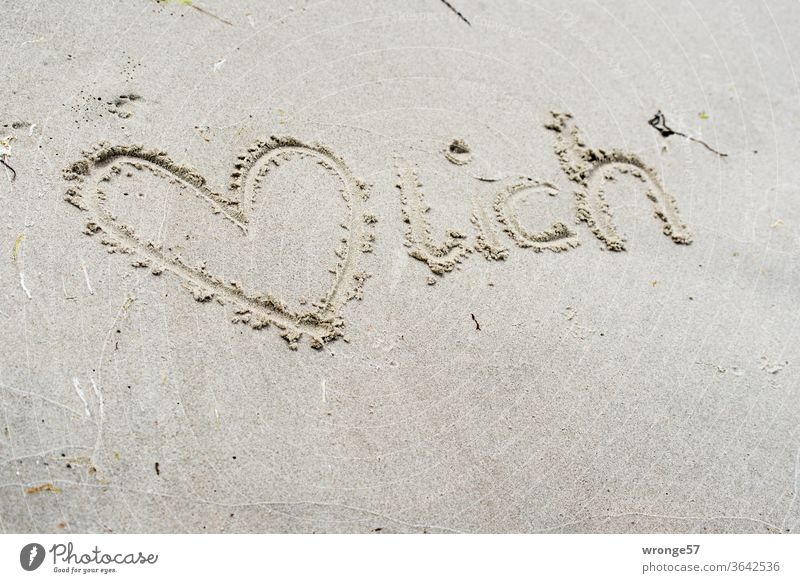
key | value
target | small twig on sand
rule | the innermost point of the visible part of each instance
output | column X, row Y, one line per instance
column 451, row 7
column 6, row 164
column 474, row 319
column 659, row 122
column 207, row 13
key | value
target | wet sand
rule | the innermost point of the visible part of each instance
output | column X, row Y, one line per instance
column 363, row 267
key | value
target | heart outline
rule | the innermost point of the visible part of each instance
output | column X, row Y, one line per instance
column 324, row 324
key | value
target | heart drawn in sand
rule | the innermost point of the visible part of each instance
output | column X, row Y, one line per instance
column 323, row 323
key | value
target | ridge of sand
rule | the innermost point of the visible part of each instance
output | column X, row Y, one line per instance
column 100, row 165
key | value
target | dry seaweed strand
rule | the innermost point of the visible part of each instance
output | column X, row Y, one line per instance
column 659, row 122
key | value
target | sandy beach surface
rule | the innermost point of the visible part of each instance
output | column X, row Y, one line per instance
column 335, row 266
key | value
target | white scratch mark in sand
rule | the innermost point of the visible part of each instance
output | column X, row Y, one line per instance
column 275, row 506
column 218, row 65
column 82, row 395
column 101, row 411
column 324, row 392
column 796, row 487
column 24, row 287
column 41, row 454
column 768, row 525
column 34, row 41
column 64, row 289
column 86, row 277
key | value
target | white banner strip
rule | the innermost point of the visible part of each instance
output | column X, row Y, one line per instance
column 405, row 558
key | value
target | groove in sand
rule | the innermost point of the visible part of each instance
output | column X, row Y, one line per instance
column 322, row 324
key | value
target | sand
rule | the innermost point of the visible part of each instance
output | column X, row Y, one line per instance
column 399, row 267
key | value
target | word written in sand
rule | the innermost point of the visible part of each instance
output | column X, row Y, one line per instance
column 590, row 169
